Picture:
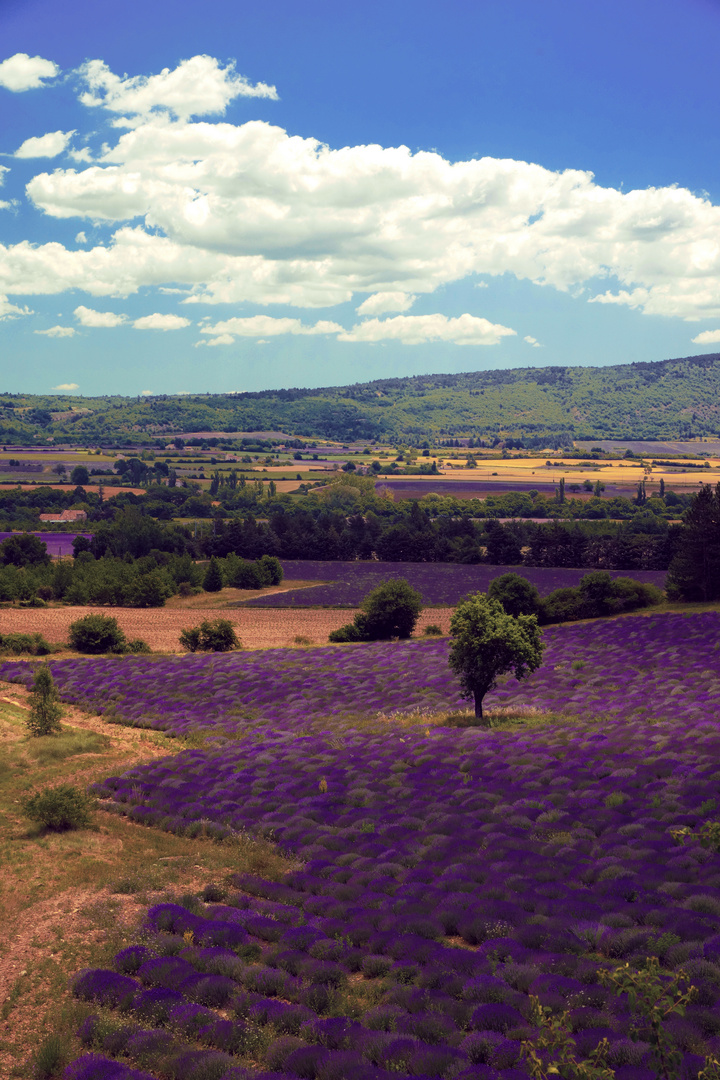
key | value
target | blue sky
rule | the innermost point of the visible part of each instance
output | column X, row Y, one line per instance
column 242, row 197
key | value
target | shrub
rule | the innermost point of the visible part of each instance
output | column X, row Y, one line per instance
column 271, row 569
column 190, row 638
column 97, row 634
column 34, row 644
column 45, row 711
column 50, row 1056
column 217, row 635
column 516, row 594
column 432, row 630
column 243, row 574
column 390, row 610
column 59, row 808
column 137, row 645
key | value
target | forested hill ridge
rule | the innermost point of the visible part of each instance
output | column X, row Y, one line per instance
column 667, row 399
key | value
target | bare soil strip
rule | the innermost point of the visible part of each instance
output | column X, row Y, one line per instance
column 257, row 628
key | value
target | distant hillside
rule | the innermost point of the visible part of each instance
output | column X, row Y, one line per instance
column 669, row 399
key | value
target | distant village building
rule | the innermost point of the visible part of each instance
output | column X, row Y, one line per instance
column 67, row 515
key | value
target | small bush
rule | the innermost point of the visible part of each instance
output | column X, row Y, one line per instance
column 348, row 632
column 45, row 711
column 97, row 634
column 138, row 646
column 390, row 610
column 50, row 1057
column 190, row 638
column 516, row 594
column 271, row 569
column 432, row 630
column 217, row 635
column 60, row 808
column 34, row 644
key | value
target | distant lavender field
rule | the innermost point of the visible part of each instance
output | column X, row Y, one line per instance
column 438, row 583
column 58, row 544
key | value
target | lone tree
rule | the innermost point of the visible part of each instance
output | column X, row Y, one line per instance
column 45, row 711
column 487, row 642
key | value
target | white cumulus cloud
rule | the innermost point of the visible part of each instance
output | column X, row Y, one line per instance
column 89, row 317
column 156, row 321
column 258, row 326
column 11, row 311
column 146, row 393
column 196, row 87
column 66, row 386
column 379, row 303
column 708, row 337
column 49, row 145
column 221, row 339
column 58, row 331
column 419, row 329
column 532, row 341
column 22, row 72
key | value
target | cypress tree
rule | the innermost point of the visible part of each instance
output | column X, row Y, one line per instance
column 213, row 581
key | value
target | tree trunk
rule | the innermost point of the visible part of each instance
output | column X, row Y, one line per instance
column 478, row 696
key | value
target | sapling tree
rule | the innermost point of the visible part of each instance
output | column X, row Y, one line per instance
column 45, row 711
column 487, row 643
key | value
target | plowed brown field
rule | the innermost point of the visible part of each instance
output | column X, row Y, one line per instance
column 257, row 628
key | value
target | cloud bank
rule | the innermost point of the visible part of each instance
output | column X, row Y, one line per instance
column 250, row 213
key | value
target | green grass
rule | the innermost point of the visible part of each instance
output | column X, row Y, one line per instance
column 69, row 743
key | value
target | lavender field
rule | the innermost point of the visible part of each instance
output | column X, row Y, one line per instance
column 438, row 583
column 446, row 877
column 666, row 667
column 59, row 544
